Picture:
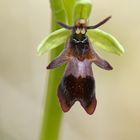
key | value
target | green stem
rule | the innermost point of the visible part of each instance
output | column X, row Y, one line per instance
column 52, row 112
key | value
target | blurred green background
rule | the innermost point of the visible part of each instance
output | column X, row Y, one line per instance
column 22, row 74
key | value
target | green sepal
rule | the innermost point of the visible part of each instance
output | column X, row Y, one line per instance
column 69, row 6
column 105, row 41
column 82, row 9
column 53, row 40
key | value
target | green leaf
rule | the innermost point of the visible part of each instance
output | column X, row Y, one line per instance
column 82, row 9
column 105, row 41
column 53, row 40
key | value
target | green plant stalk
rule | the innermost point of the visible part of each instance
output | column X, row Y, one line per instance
column 52, row 112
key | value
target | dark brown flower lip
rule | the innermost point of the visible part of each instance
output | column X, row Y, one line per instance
column 72, row 89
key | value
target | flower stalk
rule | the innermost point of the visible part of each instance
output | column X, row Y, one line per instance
column 52, row 114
